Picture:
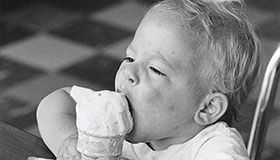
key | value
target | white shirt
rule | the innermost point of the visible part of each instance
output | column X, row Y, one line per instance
column 216, row 142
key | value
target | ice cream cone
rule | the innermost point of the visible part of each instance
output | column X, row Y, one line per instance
column 103, row 119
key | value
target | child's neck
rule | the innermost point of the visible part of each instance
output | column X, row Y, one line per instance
column 163, row 144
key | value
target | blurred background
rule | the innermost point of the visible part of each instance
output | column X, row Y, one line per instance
column 49, row 44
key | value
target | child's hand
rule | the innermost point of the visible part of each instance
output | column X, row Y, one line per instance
column 68, row 149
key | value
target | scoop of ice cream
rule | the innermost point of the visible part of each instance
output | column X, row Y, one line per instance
column 103, row 119
column 101, row 113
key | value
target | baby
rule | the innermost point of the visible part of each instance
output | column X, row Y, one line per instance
column 186, row 74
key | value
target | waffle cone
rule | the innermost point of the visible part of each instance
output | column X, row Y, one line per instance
column 97, row 146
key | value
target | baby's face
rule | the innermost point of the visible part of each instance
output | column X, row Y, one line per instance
column 158, row 81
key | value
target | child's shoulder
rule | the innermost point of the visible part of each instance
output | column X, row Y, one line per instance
column 219, row 140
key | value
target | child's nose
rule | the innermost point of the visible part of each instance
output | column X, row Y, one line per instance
column 130, row 76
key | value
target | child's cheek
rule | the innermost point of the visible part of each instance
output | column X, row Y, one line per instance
column 155, row 98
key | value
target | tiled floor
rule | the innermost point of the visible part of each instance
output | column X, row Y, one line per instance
column 45, row 46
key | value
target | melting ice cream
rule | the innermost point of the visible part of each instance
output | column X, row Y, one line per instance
column 103, row 119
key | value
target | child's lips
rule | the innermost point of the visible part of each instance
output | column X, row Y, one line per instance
column 129, row 105
column 128, row 101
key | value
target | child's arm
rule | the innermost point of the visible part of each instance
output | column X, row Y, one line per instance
column 56, row 118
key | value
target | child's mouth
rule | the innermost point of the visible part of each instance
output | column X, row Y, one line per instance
column 129, row 104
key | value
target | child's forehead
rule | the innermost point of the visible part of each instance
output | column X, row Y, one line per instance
column 161, row 34
column 173, row 22
column 167, row 13
column 167, row 31
column 166, row 20
column 164, row 10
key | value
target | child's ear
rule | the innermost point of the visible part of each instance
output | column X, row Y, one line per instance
column 211, row 109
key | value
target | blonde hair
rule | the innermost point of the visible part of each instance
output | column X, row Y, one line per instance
column 229, row 59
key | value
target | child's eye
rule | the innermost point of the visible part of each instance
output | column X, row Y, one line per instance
column 129, row 59
column 157, row 71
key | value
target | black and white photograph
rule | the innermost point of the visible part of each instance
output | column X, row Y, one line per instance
column 139, row 79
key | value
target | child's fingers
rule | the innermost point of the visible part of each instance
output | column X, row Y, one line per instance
column 36, row 158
